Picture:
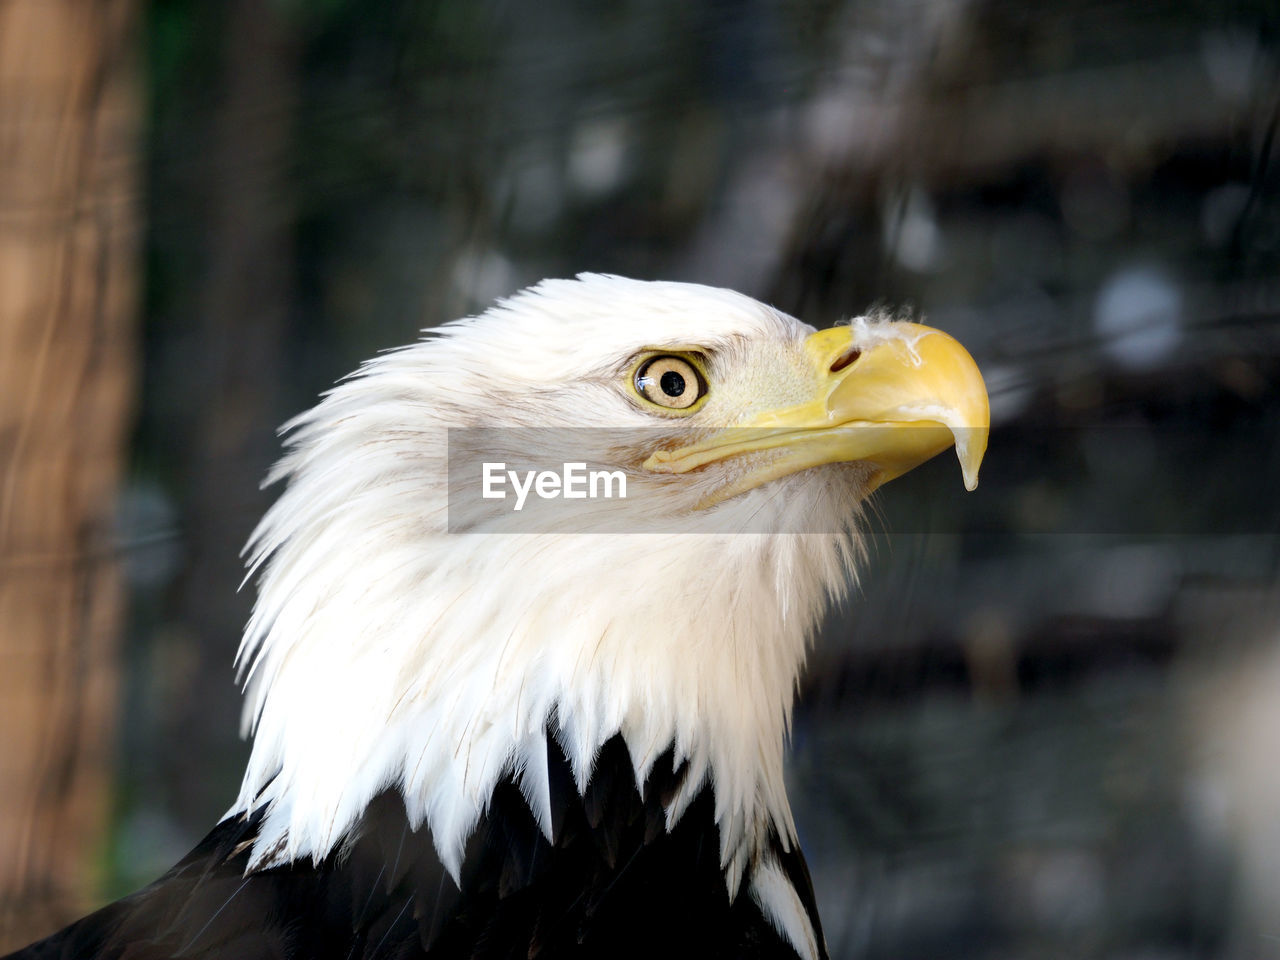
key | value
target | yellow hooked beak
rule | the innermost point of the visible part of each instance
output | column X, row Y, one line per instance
column 890, row 396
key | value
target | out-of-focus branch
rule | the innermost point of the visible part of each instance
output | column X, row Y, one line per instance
column 964, row 133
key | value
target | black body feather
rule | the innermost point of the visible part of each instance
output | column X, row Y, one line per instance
column 614, row 883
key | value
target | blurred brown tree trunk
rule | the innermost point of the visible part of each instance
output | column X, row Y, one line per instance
column 69, row 112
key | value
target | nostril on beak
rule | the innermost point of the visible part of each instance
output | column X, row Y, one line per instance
column 846, row 358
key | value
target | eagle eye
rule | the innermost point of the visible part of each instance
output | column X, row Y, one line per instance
column 670, row 381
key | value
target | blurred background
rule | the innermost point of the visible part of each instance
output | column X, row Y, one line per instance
column 1047, row 723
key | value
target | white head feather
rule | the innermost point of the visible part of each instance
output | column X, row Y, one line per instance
column 385, row 651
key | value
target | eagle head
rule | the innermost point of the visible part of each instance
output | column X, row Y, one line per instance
column 411, row 633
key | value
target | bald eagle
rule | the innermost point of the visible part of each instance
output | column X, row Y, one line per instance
column 474, row 736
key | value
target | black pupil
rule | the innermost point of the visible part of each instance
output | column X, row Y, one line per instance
column 672, row 384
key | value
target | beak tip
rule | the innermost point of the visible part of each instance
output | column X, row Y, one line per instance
column 969, row 451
